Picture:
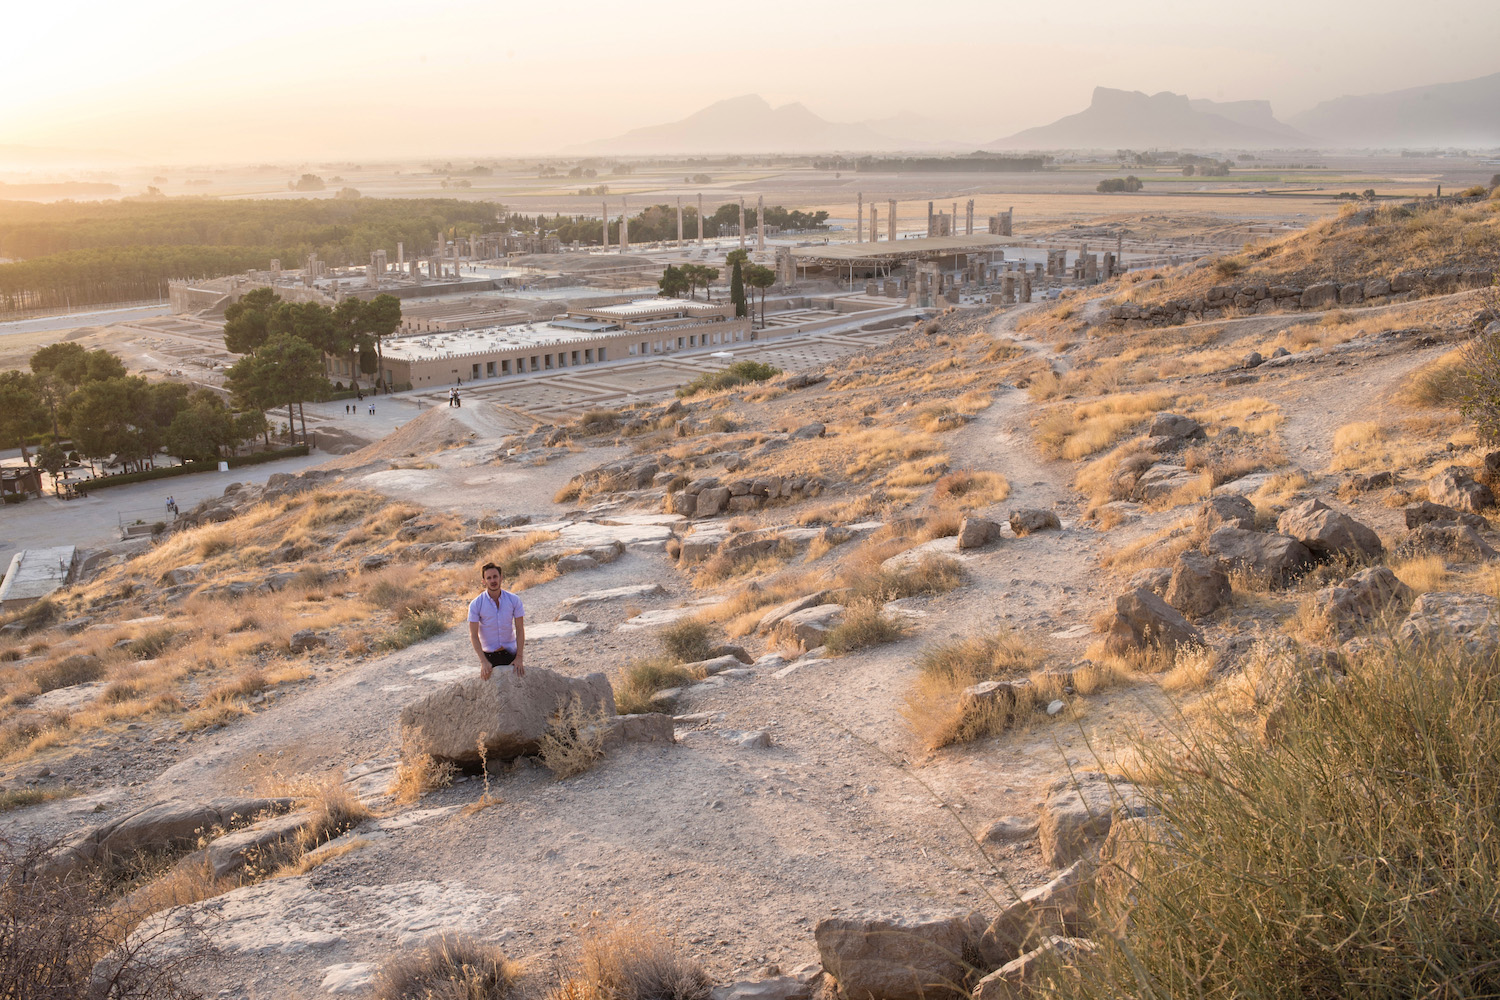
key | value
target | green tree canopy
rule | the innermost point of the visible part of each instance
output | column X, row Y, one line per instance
column 673, row 281
column 761, row 277
column 247, row 323
column 21, row 411
column 737, row 290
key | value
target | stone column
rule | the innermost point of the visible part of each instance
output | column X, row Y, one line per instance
column 929, row 218
column 700, row 220
column 760, row 222
column 891, row 221
column 604, row 207
column 624, row 226
column 742, row 223
column 400, row 254
column 874, row 224
column 969, row 219
column 679, row 220
column 859, row 219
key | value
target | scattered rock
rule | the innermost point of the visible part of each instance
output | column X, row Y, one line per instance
column 808, row 432
column 1428, row 512
column 1174, row 425
column 614, row 593
column 1271, row 557
column 374, row 561
column 758, row 740
column 1009, row 829
column 648, row 727
column 1078, row 814
column 1469, row 622
column 1144, row 620
column 511, row 713
column 1252, row 360
column 576, row 563
column 1230, row 509
column 1457, row 540
column 1154, row 579
column 1198, row 585
column 1377, row 481
column 170, row 825
column 1327, row 532
column 974, row 532
column 777, row 988
column 1020, row 979
column 1361, row 597
column 1455, row 487
column 1028, row 520
column 1039, row 914
column 305, row 639
column 231, row 852
column 898, row 958
column 811, row 626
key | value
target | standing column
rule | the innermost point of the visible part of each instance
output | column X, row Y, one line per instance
column 891, row 222
column 874, row 227
column 605, row 219
column 700, row 220
column 953, row 227
column 760, row 222
column 929, row 218
column 742, row 223
column 679, row 221
column 859, row 219
column 400, row 254
column 624, row 226
column 969, row 219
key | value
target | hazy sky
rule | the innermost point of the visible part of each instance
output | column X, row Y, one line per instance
column 207, row 81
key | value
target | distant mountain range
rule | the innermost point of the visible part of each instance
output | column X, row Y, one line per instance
column 1444, row 114
column 1449, row 114
column 1129, row 119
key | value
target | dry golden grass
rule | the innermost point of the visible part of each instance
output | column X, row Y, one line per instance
column 574, row 740
column 1438, row 383
column 1073, row 432
column 1160, row 548
column 1191, row 669
column 1422, row 573
column 968, row 489
column 933, row 706
column 418, row 772
column 632, row 962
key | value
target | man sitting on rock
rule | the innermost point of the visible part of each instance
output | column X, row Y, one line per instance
column 497, row 625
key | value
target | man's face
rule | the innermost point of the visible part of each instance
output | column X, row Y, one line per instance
column 492, row 580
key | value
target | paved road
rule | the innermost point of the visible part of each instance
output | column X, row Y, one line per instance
column 71, row 321
column 93, row 521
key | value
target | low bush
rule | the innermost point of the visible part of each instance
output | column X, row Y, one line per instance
column 934, row 708
column 739, row 373
column 688, row 640
column 37, row 615
column 79, row 669
column 414, row 628
column 417, row 771
column 574, row 740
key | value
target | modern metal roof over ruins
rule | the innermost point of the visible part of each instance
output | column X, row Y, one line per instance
column 925, row 246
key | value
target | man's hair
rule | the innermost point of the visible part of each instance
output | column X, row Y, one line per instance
column 490, row 566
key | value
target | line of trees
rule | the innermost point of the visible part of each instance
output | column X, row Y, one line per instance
column 687, row 278
column 87, row 397
column 72, row 254
column 658, row 223
column 748, row 274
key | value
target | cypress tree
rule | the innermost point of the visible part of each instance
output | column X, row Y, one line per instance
column 737, row 292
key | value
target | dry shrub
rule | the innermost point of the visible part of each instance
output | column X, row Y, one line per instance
column 933, row 574
column 630, row 962
column 687, row 640
column 335, row 506
column 865, row 624
column 640, row 680
column 932, row 707
column 1437, row 383
column 63, row 938
column 418, row 772
column 1191, row 669
column 67, row 672
column 574, row 739
column 450, row 967
column 968, row 489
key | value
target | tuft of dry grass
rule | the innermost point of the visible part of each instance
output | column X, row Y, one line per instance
column 633, row 962
column 450, row 967
column 1077, row 431
column 865, row 624
column 418, row 772
column 640, row 680
column 970, row 489
column 934, row 708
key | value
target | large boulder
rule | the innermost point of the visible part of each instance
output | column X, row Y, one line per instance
column 974, row 532
column 712, row 501
column 1455, row 487
column 1226, row 509
column 1361, row 597
column 1162, row 480
column 1327, row 532
column 1024, row 978
column 898, row 958
column 509, row 714
column 1198, row 585
column 1143, row 620
column 1265, row 556
column 1466, row 622
column 1079, row 812
column 1029, row 519
column 1040, row 913
column 257, row 844
column 776, row 615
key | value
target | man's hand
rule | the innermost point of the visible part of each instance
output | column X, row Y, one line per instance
column 519, row 667
column 484, row 668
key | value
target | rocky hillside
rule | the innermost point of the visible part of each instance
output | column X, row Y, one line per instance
column 942, row 670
